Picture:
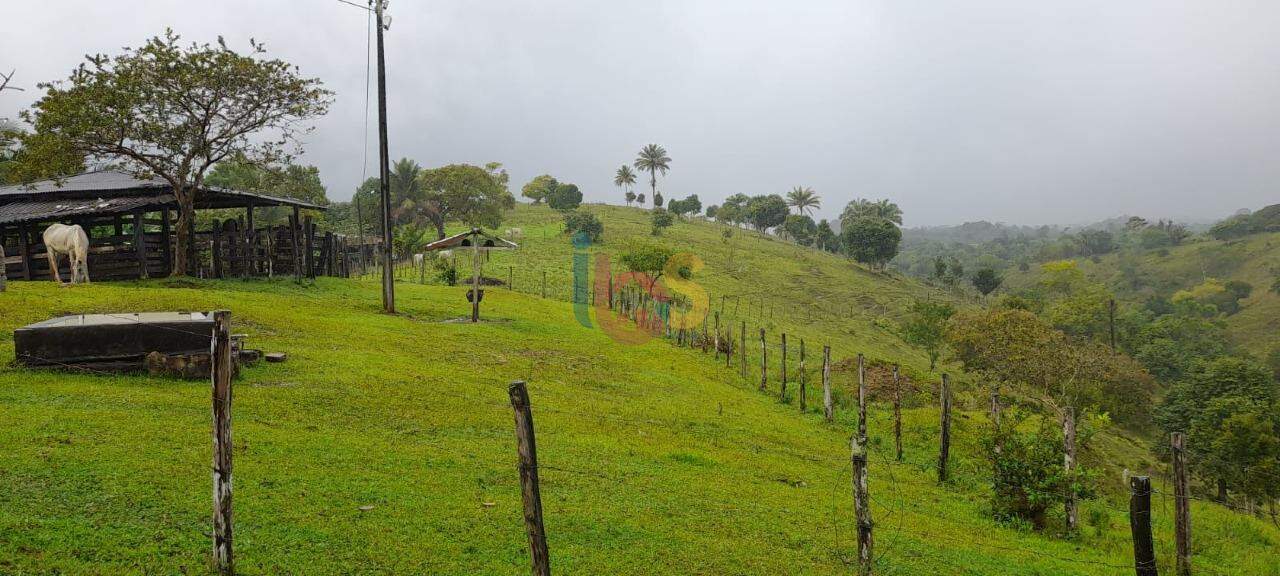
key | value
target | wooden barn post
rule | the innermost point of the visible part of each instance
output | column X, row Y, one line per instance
column 140, row 243
column 217, row 249
column 251, row 238
column 295, row 228
column 24, row 250
column 530, row 494
column 221, row 372
column 309, row 237
column 166, row 247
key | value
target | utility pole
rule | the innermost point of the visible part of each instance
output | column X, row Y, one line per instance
column 384, row 169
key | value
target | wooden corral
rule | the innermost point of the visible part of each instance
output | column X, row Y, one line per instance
column 131, row 223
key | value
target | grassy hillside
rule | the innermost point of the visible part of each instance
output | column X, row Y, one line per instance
column 385, row 444
column 750, row 277
column 1254, row 259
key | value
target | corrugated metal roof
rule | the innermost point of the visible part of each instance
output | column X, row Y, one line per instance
column 100, row 181
column 111, row 191
column 37, row 210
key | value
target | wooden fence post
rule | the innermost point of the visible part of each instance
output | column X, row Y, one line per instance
column 310, row 239
column 764, row 361
column 544, row 283
column 1144, row 554
column 1181, row 505
column 802, row 383
column 861, row 503
column 716, row 341
column 511, row 271
column 217, row 249
column 742, row 357
column 221, row 371
column 140, row 243
column 945, row 449
column 897, row 413
column 782, row 395
column 4, row 275
column 1071, row 509
column 295, row 228
column 526, row 447
column 826, row 383
column 862, row 398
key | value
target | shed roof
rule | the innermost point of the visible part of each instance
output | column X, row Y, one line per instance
column 113, row 191
column 470, row 238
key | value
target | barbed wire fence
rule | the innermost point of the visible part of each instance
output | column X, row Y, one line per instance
column 654, row 315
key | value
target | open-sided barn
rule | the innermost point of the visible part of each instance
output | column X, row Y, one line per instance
column 130, row 223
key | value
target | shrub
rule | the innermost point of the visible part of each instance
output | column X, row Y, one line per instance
column 661, row 219
column 583, row 222
column 1027, row 473
column 565, row 197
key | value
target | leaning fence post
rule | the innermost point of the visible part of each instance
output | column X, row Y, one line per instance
column 826, row 383
column 1144, row 555
column 532, row 497
column 861, row 503
column 897, row 413
column 220, row 373
column 945, row 450
column 764, row 361
column 1181, row 504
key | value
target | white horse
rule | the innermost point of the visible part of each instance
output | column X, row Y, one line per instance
column 70, row 240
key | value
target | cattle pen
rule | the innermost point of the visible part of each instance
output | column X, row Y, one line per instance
column 130, row 222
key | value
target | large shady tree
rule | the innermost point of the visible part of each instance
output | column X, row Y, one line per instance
column 173, row 111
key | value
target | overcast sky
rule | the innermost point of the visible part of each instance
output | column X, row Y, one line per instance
column 1016, row 111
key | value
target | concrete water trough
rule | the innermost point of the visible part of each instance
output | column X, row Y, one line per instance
column 118, row 342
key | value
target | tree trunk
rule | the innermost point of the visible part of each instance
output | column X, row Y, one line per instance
column 183, row 231
column 653, row 188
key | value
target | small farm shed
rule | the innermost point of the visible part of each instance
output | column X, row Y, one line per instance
column 131, row 223
column 479, row 242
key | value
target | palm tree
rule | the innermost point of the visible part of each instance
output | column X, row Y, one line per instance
column 625, row 178
column 406, row 193
column 653, row 159
column 803, row 199
column 865, row 208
